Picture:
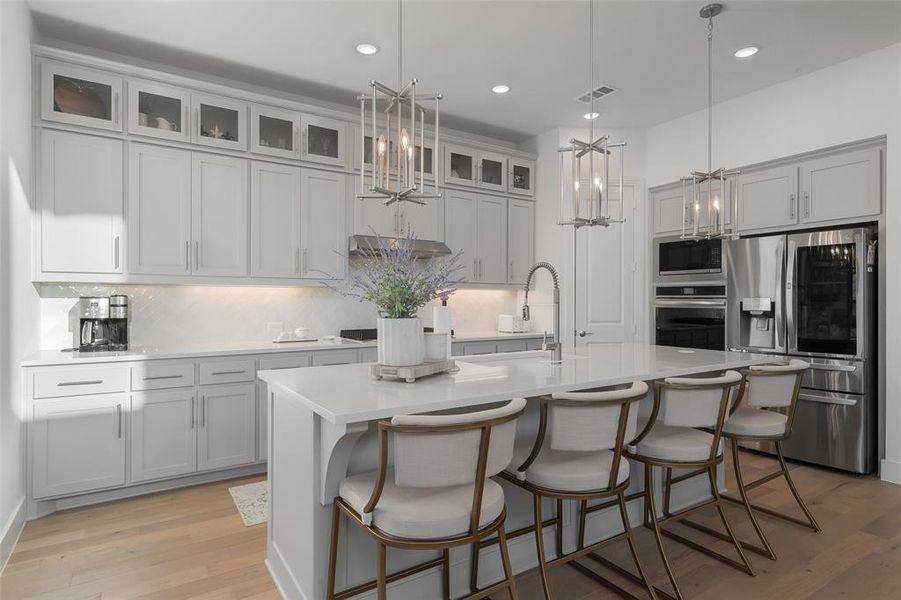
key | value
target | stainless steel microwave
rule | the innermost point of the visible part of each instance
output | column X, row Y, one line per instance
column 689, row 259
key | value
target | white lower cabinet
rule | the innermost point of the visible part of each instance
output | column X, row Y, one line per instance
column 226, row 435
column 78, row 444
column 163, row 434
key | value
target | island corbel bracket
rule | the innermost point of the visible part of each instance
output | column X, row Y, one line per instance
column 336, row 443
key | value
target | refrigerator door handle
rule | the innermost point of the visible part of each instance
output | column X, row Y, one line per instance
column 830, row 399
column 780, row 297
column 791, row 333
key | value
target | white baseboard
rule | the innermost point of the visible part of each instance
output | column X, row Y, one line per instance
column 12, row 529
column 890, row 470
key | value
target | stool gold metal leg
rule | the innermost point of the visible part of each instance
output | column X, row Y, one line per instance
column 381, row 574
column 333, row 552
column 630, row 538
column 768, row 550
column 539, row 545
column 791, row 486
column 474, row 566
column 655, row 527
column 558, row 528
column 719, row 508
column 505, row 559
column 445, row 574
column 583, row 509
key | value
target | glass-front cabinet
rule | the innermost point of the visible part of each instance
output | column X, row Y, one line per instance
column 323, row 140
column 521, row 177
column 158, row 111
column 475, row 168
column 460, row 165
column 80, row 96
column 274, row 131
column 219, row 122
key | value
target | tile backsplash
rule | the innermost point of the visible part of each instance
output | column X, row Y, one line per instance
column 166, row 315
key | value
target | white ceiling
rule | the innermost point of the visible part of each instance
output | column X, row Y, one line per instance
column 652, row 52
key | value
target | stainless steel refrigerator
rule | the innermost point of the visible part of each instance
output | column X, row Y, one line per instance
column 812, row 295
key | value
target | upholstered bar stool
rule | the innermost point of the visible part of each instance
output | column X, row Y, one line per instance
column 577, row 455
column 437, row 496
column 674, row 442
column 765, row 392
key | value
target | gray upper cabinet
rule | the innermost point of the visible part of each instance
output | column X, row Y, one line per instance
column 841, row 186
column 274, row 131
column 323, row 140
column 475, row 168
column 521, row 177
column 275, row 207
column 668, row 213
column 520, row 239
column 769, row 198
column 219, row 122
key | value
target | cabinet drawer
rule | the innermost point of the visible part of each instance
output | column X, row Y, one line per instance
column 512, row 346
column 156, row 376
column 53, row 383
column 227, row 371
column 291, row 361
column 335, row 357
column 471, row 348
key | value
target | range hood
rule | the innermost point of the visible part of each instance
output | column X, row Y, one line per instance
column 367, row 245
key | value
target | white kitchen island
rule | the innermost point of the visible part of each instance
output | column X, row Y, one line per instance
column 320, row 430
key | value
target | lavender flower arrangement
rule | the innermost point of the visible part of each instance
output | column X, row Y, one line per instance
column 399, row 285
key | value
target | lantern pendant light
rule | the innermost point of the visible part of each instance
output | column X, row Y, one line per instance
column 710, row 194
column 397, row 128
column 585, row 183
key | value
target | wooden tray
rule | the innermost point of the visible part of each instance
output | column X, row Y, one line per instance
column 412, row 373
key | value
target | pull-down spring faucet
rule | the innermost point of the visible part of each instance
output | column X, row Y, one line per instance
column 556, row 345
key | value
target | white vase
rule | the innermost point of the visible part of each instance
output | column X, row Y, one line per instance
column 400, row 342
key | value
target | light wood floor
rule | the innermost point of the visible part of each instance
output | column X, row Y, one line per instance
column 192, row 544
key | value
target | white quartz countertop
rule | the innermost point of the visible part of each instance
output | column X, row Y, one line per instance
column 347, row 394
column 199, row 350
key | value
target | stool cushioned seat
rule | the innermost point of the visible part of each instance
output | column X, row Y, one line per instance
column 568, row 471
column 675, row 443
column 421, row 513
column 755, row 422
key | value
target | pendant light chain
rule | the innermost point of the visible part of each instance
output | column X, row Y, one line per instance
column 400, row 44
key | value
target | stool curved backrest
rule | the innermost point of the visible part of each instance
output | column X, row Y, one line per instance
column 588, row 422
column 773, row 386
column 445, row 450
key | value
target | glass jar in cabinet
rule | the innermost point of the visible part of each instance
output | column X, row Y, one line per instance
column 158, row 111
column 81, row 96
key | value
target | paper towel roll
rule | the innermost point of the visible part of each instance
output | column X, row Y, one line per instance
column 442, row 320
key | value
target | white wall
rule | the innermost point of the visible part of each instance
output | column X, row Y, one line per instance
column 169, row 316
column 853, row 100
column 18, row 299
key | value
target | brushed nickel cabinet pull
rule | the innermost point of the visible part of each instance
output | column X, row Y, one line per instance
column 116, row 244
column 86, row 382
column 203, row 411
column 196, row 256
column 158, row 377
column 192, row 412
column 119, row 420
column 187, row 255
column 227, row 372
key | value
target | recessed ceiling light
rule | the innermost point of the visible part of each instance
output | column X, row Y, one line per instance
column 591, row 115
column 501, row 88
column 367, row 49
column 746, row 52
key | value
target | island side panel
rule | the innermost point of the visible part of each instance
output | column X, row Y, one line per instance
column 298, row 534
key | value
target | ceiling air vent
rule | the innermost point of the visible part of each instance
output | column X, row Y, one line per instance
column 596, row 94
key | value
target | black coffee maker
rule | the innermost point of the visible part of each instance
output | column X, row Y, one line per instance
column 104, row 323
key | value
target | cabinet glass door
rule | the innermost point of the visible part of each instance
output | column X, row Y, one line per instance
column 80, row 96
column 493, row 172
column 459, row 165
column 521, row 177
column 219, row 122
column 826, row 290
column 157, row 111
column 274, row 131
column 323, row 140
column 429, row 163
